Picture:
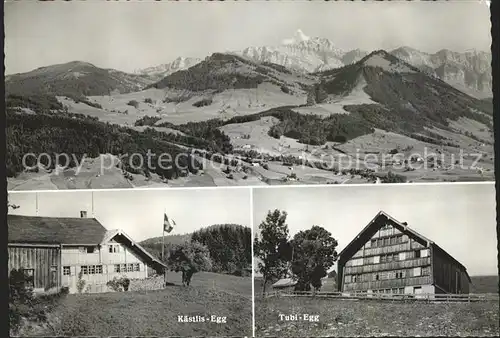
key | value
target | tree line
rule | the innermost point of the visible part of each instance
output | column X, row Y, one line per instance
column 220, row 248
column 80, row 136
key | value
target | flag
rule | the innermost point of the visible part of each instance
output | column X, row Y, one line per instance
column 168, row 225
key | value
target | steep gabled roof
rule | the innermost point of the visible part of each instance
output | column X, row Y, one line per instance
column 376, row 223
column 136, row 247
column 54, row 230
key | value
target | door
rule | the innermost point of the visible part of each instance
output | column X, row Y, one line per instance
column 54, row 277
column 417, row 291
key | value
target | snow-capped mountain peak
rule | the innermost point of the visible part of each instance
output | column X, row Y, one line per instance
column 298, row 37
column 165, row 69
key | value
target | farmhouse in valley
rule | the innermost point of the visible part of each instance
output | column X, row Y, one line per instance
column 389, row 257
column 55, row 250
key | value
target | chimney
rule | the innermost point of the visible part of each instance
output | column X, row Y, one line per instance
column 405, row 223
column 83, row 214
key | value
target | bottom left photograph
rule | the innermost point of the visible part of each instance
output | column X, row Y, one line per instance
column 174, row 262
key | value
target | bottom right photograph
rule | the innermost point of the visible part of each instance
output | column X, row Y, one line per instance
column 381, row 260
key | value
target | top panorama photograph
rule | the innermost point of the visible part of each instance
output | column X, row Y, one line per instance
column 104, row 95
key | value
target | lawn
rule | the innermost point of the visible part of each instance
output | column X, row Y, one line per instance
column 155, row 313
column 347, row 318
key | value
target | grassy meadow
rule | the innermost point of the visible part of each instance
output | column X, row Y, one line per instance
column 348, row 318
column 155, row 313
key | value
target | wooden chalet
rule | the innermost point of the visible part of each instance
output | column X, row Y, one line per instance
column 389, row 257
column 56, row 250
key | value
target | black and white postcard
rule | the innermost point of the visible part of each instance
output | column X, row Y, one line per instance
column 250, row 168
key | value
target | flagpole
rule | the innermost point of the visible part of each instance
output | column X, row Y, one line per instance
column 163, row 249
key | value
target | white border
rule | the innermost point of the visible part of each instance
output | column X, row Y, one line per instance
column 253, row 263
column 281, row 186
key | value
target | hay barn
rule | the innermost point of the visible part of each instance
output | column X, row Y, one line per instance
column 389, row 257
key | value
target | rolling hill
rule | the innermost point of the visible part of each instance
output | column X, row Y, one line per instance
column 74, row 79
column 220, row 72
column 484, row 284
column 406, row 100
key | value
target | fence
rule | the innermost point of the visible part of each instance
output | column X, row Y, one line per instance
column 447, row 298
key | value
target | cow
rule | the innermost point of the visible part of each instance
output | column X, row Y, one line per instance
column 184, row 265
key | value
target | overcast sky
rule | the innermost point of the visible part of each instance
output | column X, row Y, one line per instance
column 132, row 35
column 140, row 212
column 460, row 218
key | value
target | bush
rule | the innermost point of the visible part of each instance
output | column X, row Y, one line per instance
column 133, row 103
column 393, row 178
column 119, row 284
column 24, row 305
column 80, row 284
column 285, row 89
column 148, row 100
column 203, row 103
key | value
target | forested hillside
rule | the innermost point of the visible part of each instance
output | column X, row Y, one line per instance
column 229, row 246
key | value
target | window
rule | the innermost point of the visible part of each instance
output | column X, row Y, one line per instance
column 424, row 253
column 426, row 271
column 114, row 248
column 417, row 272
column 66, row 270
column 401, row 290
column 137, row 267
column 91, row 269
column 117, row 268
column 402, row 256
column 130, row 267
column 383, row 259
column 417, row 254
column 376, row 259
column 90, row 249
column 30, row 277
column 82, row 249
column 377, row 277
column 347, row 279
column 400, row 274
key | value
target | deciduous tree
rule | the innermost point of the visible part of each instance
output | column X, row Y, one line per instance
column 313, row 254
column 272, row 247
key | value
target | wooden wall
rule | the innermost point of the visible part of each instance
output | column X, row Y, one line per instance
column 370, row 269
column 74, row 255
column 449, row 276
column 41, row 259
